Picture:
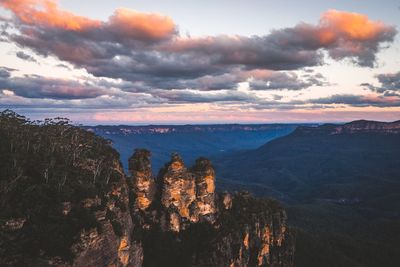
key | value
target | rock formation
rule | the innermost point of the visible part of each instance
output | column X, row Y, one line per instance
column 142, row 180
column 66, row 201
column 110, row 244
column 187, row 195
column 178, row 194
column 190, row 225
column 205, row 189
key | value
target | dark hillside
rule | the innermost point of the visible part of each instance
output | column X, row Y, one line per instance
column 341, row 184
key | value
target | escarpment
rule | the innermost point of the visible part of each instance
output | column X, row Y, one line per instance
column 66, row 201
column 64, row 197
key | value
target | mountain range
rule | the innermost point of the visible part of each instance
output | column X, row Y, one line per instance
column 340, row 184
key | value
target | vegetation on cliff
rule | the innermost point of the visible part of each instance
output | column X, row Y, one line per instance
column 65, row 201
column 48, row 169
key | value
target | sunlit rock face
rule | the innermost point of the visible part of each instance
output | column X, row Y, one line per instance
column 178, row 192
column 235, row 229
column 187, row 195
column 142, row 182
column 205, row 189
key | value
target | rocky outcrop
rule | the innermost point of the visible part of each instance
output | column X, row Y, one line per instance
column 204, row 175
column 187, row 196
column 178, row 194
column 142, row 181
column 191, row 225
column 110, row 244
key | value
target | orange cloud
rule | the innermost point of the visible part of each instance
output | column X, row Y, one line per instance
column 352, row 25
column 47, row 13
column 135, row 24
column 125, row 22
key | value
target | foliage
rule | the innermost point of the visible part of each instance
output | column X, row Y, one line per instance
column 42, row 165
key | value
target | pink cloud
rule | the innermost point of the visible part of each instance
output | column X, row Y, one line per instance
column 47, row 13
column 132, row 24
column 125, row 23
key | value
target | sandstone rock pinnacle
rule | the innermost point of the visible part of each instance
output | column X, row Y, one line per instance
column 142, row 181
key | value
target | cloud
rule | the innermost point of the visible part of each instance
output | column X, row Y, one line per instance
column 140, row 60
column 390, row 81
column 358, row 100
column 34, row 86
column 186, row 96
column 147, row 49
column 64, row 66
column 124, row 24
column 328, row 102
column 22, row 55
column 46, row 13
column 285, row 80
column 353, row 35
column 130, row 24
column 389, row 84
column 5, row 72
column 65, row 103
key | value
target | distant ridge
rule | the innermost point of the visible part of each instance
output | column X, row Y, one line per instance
column 341, row 185
column 358, row 126
column 188, row 128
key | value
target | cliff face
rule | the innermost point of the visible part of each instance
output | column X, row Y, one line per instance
column 255, row 234
column 178, row 194
column 187, row 195
column 109, row 244
column 354, row 127
column 188, row 224
column 142, row 181
column 65, row 201
column 64, row 198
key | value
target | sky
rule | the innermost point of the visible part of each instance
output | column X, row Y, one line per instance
column 179, row 62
